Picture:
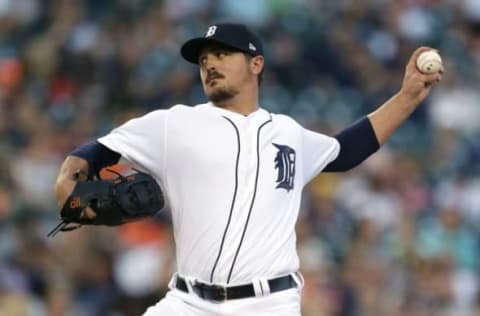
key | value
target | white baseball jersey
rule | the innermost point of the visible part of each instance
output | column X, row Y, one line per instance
column 233, row 183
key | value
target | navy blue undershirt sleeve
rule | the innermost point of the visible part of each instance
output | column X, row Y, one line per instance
column 97, row 155
column 357, row 143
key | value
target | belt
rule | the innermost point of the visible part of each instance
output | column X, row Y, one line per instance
column 222, row 293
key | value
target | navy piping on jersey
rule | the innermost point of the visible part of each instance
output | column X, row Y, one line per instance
column 253, row 198
column 233, row 199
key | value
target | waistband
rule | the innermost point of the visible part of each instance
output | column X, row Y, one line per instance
column 218, row 293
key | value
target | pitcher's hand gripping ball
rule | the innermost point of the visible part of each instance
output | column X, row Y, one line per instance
column 121, row 195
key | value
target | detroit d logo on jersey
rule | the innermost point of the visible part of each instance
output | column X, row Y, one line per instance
column 285, row 163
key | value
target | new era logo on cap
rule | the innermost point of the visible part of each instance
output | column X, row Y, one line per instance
column 233, row 35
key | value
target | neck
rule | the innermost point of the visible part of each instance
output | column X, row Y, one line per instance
column 244, row 102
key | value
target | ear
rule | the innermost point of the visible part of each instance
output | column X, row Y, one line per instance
column 256, row 64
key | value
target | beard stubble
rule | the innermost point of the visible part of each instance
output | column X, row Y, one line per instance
column 222, row 94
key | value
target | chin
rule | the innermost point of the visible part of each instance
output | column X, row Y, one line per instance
column 220, row 95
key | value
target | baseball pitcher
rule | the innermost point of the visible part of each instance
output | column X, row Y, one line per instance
column 232, row 174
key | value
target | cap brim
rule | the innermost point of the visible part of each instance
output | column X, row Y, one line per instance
column 191, row 49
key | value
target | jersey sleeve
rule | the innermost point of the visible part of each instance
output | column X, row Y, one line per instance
column 318, row 151
column 141, row 141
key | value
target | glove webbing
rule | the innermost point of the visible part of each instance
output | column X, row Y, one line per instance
column 63, row 226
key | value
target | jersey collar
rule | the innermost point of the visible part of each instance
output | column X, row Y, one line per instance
column 259, row 115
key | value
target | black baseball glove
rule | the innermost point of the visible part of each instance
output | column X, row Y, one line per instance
column 115, row 201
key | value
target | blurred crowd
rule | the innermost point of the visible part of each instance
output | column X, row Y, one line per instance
column 398, row 235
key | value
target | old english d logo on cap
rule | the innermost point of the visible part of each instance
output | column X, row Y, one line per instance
column 211, row 31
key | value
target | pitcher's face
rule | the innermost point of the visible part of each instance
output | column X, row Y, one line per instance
column 223, row 71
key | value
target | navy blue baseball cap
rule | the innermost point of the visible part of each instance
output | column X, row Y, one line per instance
column 234, row 35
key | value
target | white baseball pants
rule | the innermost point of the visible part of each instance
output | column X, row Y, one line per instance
column 179, row 303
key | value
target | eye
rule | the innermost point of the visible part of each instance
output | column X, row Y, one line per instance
column 221, row 54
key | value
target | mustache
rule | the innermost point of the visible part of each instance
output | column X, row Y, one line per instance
column 212, row 76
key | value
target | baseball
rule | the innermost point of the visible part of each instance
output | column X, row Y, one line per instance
column 429, row 62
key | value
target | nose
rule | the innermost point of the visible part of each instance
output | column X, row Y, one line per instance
column 210, row 62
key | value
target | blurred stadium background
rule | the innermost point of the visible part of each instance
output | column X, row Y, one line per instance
column 398, row 235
